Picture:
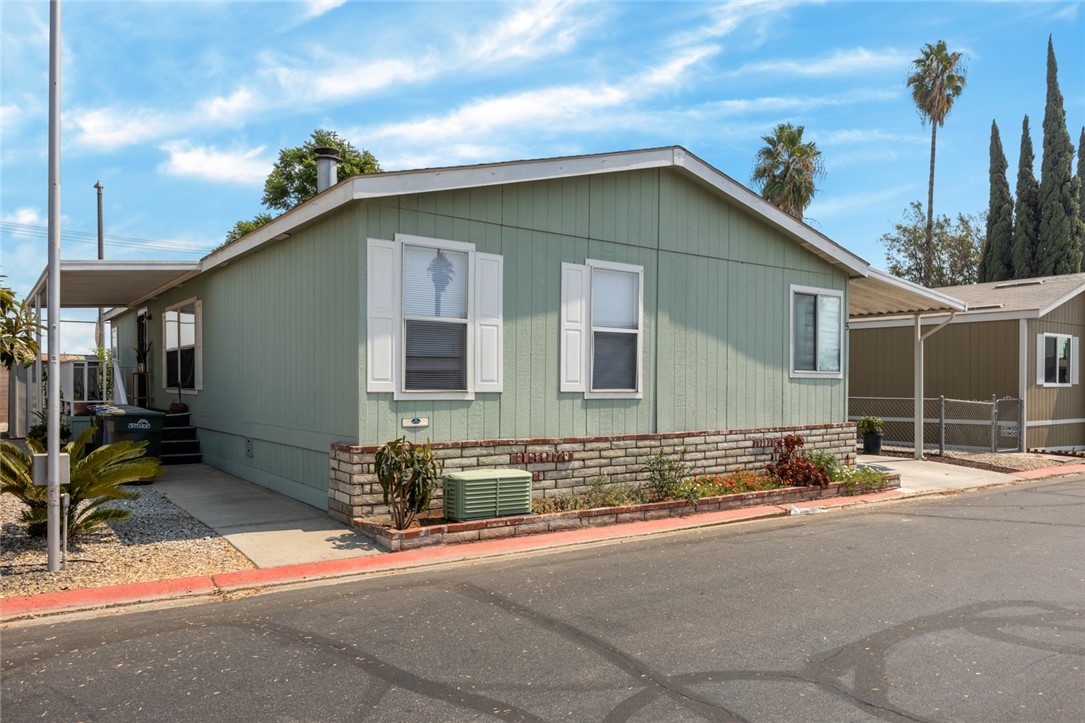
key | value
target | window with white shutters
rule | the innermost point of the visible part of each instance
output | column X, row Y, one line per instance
column 1056, row 360
column 602, row 329
column 434, row 319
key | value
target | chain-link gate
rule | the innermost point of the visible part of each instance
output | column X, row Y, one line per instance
column 991, row 426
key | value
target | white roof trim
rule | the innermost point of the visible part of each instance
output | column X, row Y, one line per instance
column 1045, row 310
column 397, row 183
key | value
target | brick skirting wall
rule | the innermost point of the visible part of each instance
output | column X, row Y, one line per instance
column 568, row 465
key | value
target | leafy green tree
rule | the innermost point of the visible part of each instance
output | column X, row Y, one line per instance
column 245, row 227
column 957, row 247
column 1026, row 223
column 787, row 169
column 1060, row 222
column 18, row 331
column 937, row 80
column 96, row 479
column 996, row 263
column 292, row 180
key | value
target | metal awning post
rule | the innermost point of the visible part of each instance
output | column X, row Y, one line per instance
column 918, row 389
column 920, row 337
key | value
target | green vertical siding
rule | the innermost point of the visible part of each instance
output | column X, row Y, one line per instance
column 716, row 294
column 280, row 348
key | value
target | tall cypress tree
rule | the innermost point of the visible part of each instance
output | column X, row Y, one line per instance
column 1081, row 188
column 1026, row 223
column 1060, row 234
column 996, row 264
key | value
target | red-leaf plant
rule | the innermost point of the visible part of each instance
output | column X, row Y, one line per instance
column 791, row 467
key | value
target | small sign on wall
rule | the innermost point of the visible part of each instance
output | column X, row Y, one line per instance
column 415, row 422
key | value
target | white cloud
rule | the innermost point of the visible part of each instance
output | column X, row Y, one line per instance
column 230, row 109
column 331, row 78
column 854, row 61
column 9, row 115
column 112, row 128
column 539, row 29
column 316, row 8
column 210, row 164
column 554, row 108
column 854, row 135
column 28, row 216
column 848, row 203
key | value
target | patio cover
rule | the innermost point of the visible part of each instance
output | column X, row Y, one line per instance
column 93, row 283
column 881, row 294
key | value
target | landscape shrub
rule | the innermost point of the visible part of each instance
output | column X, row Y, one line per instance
column 600, row 494
column 665, row 475
column 727, row 484
column 791, row 468
column 408, row 473
column 96, row 479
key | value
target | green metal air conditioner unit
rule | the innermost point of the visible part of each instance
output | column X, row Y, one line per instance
column 481, row 493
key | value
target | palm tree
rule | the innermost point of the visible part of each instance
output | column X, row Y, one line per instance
column 18, row 331
column 937, row 79
column 786, row 169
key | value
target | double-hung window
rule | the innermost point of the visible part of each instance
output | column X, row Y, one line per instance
column 434, row 319
column 1056, row 360
column 182, row 331
column 817, row 332
column 602, row 325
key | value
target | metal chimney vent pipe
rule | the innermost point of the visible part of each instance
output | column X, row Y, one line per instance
column 327, row 164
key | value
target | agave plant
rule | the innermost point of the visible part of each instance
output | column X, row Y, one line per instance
column 96, row 478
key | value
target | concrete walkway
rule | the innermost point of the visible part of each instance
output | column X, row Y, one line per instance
column 921, row 476
column 267, row 527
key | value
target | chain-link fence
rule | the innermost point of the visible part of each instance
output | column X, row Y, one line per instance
column 993, row 425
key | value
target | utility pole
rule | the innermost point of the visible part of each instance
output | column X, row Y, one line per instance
column 53, row 427
column 99, row 330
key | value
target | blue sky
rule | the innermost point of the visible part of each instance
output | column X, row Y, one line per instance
column 179, row 109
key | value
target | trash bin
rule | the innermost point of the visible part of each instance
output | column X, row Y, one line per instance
column 119, row 423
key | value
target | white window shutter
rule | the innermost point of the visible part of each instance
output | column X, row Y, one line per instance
column 381, row 296
column 489, row 331
column 198, row 361
column 1074, row 365
column 1040, row 359
column 574, row 327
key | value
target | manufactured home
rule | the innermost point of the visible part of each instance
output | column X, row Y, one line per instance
column 1018, row 339
column 567, row 316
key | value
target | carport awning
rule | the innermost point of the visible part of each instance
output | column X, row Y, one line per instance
column 881, row 294
column 93, row 283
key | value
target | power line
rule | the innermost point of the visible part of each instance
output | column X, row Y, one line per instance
column 33, row 231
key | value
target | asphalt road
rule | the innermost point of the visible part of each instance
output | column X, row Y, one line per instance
column 968, row 608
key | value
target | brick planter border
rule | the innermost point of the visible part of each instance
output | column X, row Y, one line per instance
column 519, row 525
column 568, row 465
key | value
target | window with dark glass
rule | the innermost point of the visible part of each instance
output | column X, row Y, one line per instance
column 180, row 346
column 615, row 326
column 435, row 318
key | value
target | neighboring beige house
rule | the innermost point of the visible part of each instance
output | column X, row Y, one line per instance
column 1018, row 339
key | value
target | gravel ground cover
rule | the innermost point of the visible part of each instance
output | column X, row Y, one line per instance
column 159, row 541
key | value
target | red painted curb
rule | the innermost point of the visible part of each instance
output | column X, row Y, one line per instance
column 96, row 597
column 71, row 600
column 1050, row 471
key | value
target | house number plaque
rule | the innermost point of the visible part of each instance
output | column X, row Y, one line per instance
column 415, row 422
